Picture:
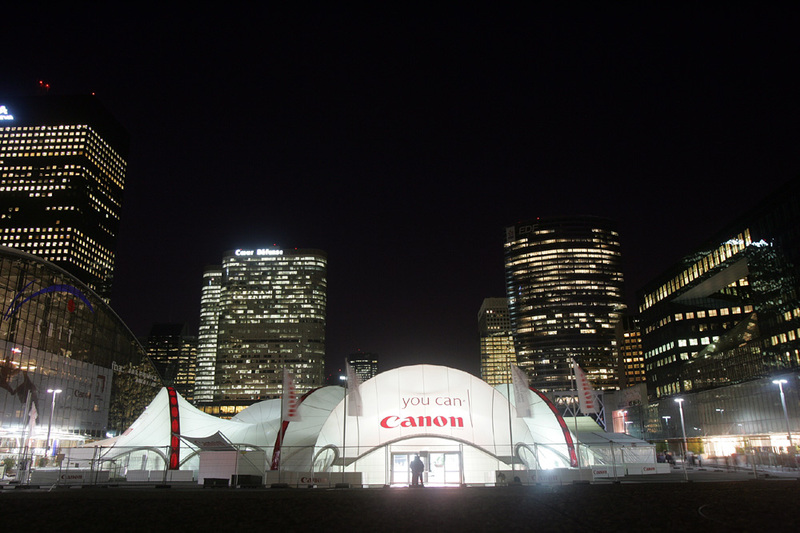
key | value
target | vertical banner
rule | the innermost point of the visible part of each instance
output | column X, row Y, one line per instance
column 586, row 397
column 354, row 405
column 289, row 400
column 33, row 416
column 521, row 392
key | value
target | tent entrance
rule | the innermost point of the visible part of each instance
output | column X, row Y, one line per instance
column 441, row 468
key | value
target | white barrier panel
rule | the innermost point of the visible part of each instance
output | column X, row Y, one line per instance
column 68, row 477
column 157, row 476
column 322, row 479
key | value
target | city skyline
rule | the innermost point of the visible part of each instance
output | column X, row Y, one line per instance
column 403, row 145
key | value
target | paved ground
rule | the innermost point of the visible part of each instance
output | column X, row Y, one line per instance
column 750, row 505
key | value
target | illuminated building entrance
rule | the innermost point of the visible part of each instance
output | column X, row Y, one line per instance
column 442, row 468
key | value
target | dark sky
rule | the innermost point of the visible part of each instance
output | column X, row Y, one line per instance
column 402, row 141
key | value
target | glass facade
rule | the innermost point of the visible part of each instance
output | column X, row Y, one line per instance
column 268, row 310
column 364, row 364
column 497, row 342
column 62, row 174
column 730, row 311
column 174, row 353
column 565, row 293
column 629, row 346
column 57, row 334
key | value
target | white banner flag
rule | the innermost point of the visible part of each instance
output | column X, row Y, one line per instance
column 33, row 415
column 289, row 401
column 522, row 392
column 586, row 397
column 354, row 404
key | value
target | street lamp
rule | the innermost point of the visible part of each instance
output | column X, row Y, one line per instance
column 679, row 401
column 780, row 383
column 52, row 410
column 721, row 418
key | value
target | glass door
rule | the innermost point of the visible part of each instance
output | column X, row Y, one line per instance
column 444, row 468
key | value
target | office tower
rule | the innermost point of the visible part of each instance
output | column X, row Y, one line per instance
column 729, row 311
column 262, row 311
column 564, row 288
column 207, row 336
column 497, row 341
column 174, row 354
column 364, row 364
column 62, row 175
column 629, row 348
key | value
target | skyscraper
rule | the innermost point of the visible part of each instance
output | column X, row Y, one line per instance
column 564, row 288
column 62, row 175
column 364, row 364
column 174, row 354
column 497, row 341
column 629, row 348
column 729, row 311
column 262, row 311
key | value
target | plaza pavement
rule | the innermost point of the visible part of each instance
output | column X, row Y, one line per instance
column 711, row 501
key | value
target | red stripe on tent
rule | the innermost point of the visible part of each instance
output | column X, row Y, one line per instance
column 573, row 457
column 175, row 428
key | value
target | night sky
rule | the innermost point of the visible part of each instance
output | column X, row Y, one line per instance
column 403, row 140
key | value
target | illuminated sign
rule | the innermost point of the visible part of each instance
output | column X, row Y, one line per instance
column 4, row 114
column 261, row 251
column 392, row 421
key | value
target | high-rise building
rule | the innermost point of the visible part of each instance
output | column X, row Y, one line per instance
column 364, row 364
column 497, row 341
column 62, row 175
column 174, row 354
column 629, row 348
column 729, row 311
column 565, row 296
column 262, row 311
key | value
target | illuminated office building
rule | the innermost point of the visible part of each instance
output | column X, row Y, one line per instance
column 564, row 288
column 62, row 174
column 207, row 335
column 629, row 348
column 364, row 364
column 267, row 308
column 174, row 354
column 497, row 341
column 729, row 311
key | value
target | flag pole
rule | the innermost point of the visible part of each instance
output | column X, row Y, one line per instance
column 23, row 444
column 280, row 426
column 510, row 430
column 344, row 423
column 575, row 411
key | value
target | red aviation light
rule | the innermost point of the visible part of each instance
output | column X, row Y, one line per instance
column 175, row 429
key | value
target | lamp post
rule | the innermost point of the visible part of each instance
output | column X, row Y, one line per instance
column 52, row 410
column 721, row 418
column 780, row 383
column 679, row 401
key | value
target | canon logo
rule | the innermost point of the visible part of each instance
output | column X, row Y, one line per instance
column 392, row 422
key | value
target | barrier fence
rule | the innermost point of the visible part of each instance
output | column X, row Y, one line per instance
column 449, row 465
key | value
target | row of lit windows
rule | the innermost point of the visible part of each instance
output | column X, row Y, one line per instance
column 711, row 260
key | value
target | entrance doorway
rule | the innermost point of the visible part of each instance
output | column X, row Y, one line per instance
column 441, row 468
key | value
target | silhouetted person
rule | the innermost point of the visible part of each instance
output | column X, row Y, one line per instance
column 417, row 466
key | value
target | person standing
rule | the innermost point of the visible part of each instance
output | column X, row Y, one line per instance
column 417, row 466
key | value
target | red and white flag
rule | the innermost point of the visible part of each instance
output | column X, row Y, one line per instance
column 289, row 401
column 522, row 392
column 586, row 397
column 354, row 405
